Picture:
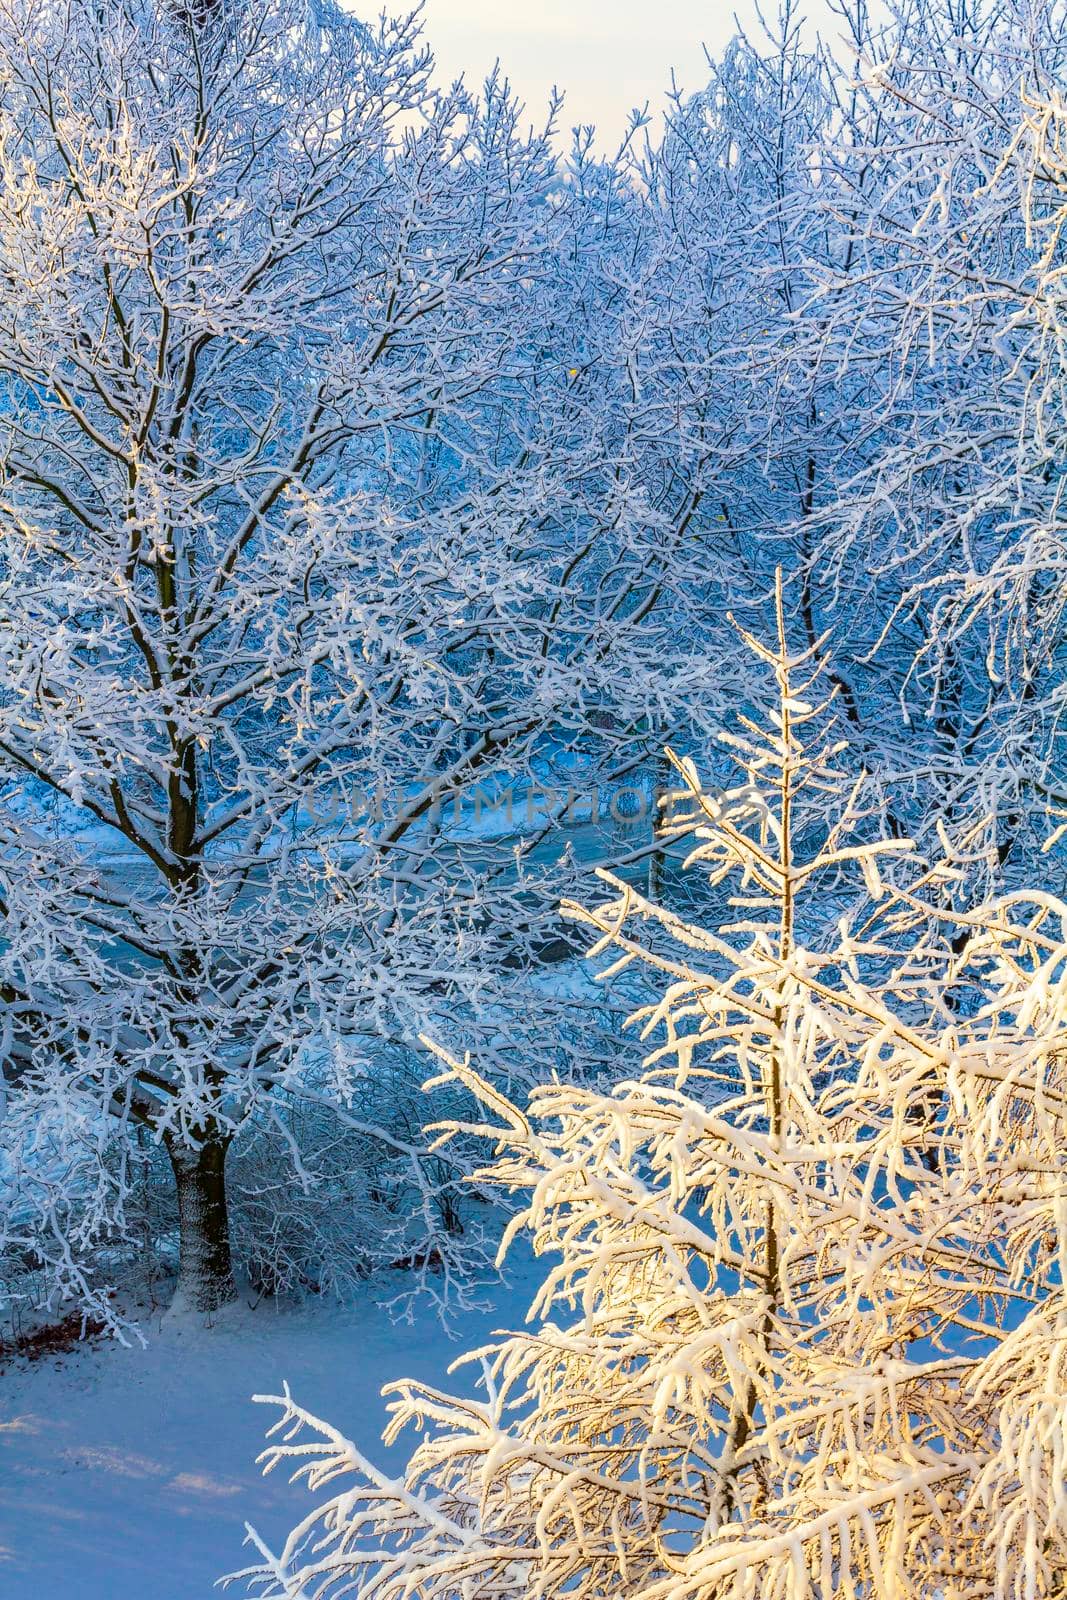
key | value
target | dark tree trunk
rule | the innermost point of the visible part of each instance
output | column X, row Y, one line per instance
column 205, row 1270
column 196, row 13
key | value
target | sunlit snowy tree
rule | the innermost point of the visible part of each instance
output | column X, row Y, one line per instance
column 778, row 1351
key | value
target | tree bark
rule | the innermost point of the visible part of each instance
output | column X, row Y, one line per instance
column 205, row 1268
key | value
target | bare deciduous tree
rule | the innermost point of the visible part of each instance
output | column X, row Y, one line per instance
column 337, row 473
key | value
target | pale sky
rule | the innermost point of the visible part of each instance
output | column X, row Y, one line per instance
column 609, row 55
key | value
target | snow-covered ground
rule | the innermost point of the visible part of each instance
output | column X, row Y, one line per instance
column 128, row 1474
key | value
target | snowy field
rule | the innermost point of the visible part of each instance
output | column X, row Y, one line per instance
column 129, row 1474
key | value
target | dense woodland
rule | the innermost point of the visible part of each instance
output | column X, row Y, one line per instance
column 366, row 444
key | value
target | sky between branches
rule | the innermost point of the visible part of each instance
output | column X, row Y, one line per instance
column 608, row 55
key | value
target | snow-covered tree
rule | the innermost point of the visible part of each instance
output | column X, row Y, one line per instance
column 336, row 472
column 934, row 529
column 797, row 1336
column 879, row 212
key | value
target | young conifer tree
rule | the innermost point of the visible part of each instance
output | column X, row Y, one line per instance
column 803, row 1331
